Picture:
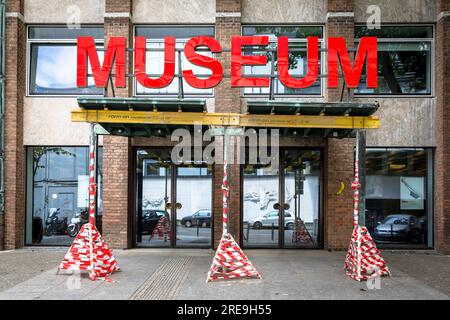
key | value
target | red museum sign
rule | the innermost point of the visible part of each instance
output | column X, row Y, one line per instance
column 337, row 50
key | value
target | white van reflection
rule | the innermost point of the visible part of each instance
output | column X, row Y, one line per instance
column 271, row 220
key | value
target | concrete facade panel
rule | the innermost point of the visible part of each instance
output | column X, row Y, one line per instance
column 174, row 11
column 64, row 11
column 404, row 122
column 397, row 11
column 283, row 11
column 47, row 122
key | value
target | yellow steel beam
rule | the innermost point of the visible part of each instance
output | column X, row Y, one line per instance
column 299, row 121
column 155, row 117
column 220, row 119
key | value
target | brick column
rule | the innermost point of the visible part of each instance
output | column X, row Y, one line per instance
column 442, row 155
column 227, row 99
column 338, row 164
column 14, row 149
column 117, row 153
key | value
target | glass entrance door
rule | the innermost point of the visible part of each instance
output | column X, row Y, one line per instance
column 261, row 185
column 301, row 176
column 281, row 206
column 173, row 202
column 194, row 215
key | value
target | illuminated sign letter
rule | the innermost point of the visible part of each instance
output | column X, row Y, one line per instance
column 283, row 64
column 115, row 51
column 169, row 63
column 238, row 60
column 352, row 75
column 203, row 61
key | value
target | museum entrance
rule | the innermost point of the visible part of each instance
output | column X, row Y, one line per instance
column 173, row 207
column 282, row 204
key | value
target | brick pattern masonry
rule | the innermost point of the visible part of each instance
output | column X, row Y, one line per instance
column 117, row 157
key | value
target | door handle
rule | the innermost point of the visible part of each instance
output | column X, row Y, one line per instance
column 277, row 206
column 170, row 206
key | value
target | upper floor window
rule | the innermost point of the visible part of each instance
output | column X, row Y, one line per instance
column 53, row 58
column 297, row 57
column 155, row 58
column 404, row 60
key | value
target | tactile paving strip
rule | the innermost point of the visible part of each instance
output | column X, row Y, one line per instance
column 165, row 283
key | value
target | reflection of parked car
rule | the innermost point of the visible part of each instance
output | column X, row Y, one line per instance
column 399, row 228
column 150, row 218
column 197, row 219
column 271, row 219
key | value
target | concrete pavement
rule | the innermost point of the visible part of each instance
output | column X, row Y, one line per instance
column 181, row 274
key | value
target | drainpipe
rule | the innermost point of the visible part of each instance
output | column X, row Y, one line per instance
column 2, row 102
column 2, row 112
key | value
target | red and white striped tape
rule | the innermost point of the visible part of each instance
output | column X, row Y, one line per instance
column 301, row 234
column 88, row 250
column 363, row 259
column 229, row 262
column 162, row 230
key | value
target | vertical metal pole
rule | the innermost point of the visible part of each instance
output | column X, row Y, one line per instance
column 355, row 185
column 361, row 154
column 272, row 76
column 92, row 174
column 225, row 185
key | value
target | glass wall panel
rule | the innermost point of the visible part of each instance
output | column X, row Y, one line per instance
column 155, row 59
column 52, row 70
column 398, row 196
column 404, row 60
column 58, row 184
column 297, row 59
column 53, row 59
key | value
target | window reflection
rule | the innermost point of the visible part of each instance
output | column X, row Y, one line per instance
column 155, row 66
column 155, row 59
column 297, row 59
column 53, row 59
column 53, row 70
column 59, row 179
column 396, row 196
column 404, row 60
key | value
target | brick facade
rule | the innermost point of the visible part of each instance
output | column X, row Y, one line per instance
column 118, row 196
column 117, row 153
column 14, row 149
column 227, row 99
column 442, row 155
column 339, row 160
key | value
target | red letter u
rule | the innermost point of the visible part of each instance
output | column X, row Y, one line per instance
column 283, row 64
column 169, row 64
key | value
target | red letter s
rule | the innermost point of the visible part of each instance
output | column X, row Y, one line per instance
column 203, row 61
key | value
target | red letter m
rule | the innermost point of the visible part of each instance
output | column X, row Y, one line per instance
column 352, row 75
column 116, row 51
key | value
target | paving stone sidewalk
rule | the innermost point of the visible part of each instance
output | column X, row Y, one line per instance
column 181, row 274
